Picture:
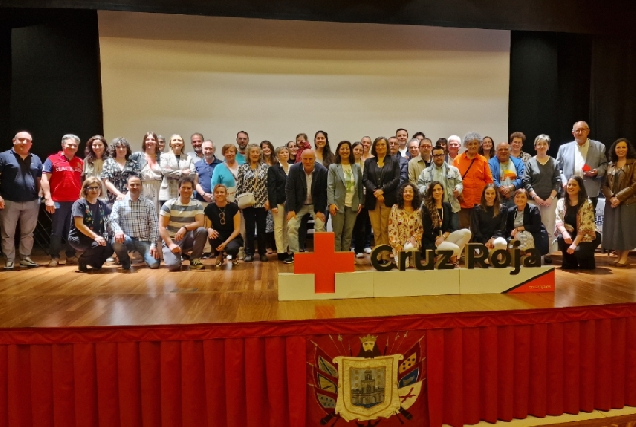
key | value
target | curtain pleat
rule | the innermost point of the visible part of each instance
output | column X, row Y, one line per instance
column 492, row 372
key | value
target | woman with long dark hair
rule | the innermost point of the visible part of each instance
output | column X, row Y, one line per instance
column 95, row 153
column 619, row 188
column 276, row 183
column 324, row 155
column 488, row 220
column 344, row 195
column 576, row 227
column 405, row 221
column 381, row 178
column 438, row 228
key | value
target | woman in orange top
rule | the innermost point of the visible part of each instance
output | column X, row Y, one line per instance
column 475, row 174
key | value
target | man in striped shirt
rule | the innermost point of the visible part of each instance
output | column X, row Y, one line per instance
column 135, row 225
column 181, row 228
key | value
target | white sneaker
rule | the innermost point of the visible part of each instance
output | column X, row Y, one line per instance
column 367, row 250
column 360, row 255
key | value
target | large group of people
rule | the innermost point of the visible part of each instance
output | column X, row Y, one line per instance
column 409, row 194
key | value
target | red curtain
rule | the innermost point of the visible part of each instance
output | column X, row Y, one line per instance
column 481, row 366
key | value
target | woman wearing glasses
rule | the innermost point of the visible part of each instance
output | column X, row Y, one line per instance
column 223, row 222
column 88, row 228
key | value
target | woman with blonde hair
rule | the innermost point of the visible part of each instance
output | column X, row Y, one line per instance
column 252, row 187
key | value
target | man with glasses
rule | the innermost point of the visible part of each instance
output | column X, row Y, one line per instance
column 135, row 225
column 420, row 161
column 449, row 177
column 394, row 150
column 20, row 173
column 61, row 185
column 583, row 157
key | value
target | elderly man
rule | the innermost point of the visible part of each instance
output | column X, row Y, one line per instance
column 454, row 144
column 20, row 174
column 402, row 136
column 394, row 150
column 583, row 157
column 197, row 142
column 61, row 186
column 205, row 168
column 135, row 225
column 181, row 228
column 450, row 179
column 306, row 193
column 242, row 139
column 475, row 174
column 508, row 173
column 420, row 161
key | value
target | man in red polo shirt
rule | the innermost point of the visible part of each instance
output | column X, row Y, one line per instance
column 61, row 185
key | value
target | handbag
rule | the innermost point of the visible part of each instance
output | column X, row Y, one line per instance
column 245, row 200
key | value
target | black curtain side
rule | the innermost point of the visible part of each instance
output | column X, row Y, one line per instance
column 533, row 94
column 56, row 84
column 549, row 85
column 613, row 89
column 5, row 84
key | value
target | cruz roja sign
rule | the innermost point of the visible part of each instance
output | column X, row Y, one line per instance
column 476, row 255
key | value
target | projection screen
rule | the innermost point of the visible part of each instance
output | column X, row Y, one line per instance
column 184, row 74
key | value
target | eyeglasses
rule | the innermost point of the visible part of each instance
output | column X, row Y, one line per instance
column 93, row 188
column 580, row 130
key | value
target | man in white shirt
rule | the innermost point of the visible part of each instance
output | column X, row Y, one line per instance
column 402, row 136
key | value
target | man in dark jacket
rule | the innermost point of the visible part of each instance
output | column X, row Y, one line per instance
column 306, row 192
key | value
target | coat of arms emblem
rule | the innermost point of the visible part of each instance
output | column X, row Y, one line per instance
column 369, row 386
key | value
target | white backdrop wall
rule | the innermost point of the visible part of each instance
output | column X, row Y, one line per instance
column 184, row 74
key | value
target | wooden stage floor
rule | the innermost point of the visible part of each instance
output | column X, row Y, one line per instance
column 60, row 297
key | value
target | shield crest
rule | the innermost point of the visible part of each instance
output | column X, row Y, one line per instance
column 368, row 388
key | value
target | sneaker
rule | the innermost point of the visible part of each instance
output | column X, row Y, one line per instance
column 196, row 264
column 249, row 258
column 9, row 265
column 54, row 262
column 360, row 255
column 70, row 260
column 264, row 258
column 367, row 250
column 28, row 263
column 289, row 259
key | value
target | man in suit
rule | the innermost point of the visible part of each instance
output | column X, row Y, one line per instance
column 583, row 157
column 306, row 193
column 403, row 161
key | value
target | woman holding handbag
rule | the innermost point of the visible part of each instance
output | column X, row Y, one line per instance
column 252, row 199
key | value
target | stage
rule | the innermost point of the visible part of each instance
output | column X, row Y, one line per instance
column 216, row 347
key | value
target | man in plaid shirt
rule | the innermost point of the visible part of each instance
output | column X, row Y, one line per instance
column 135, row 225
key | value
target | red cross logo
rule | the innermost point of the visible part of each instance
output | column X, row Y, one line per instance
column 324, row 262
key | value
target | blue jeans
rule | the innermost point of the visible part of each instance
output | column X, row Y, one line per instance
column 61, row 223
column 132, row 244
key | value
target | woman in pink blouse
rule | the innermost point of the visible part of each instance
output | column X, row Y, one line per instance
column 405, row 220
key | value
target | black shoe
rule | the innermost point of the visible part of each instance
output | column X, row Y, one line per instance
column 281, row 257
column 289, row 259
column 547, row 259
column 82, row 266
column 249, row 258
column 264, row 258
